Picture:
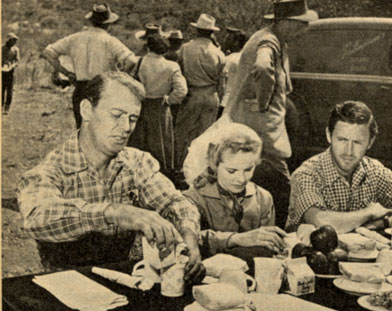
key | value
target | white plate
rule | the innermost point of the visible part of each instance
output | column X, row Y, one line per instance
column 388, row 231
column 369, row 256
column 359, row 288
column 364, row 303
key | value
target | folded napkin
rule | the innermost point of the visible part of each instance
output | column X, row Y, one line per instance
column 220, row 296
column 137, row 282
column 79, row 292
column 217, row 263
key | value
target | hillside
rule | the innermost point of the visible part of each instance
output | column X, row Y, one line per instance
column 39, row 22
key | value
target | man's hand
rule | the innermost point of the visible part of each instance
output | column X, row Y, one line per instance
column 269, row 237
column 194, row 270
column 154, row 227
column 378, row 211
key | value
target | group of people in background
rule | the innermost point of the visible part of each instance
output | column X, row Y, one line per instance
column 93, row 193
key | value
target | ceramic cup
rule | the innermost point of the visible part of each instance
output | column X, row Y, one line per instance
column 244, row 282
column 172, row 280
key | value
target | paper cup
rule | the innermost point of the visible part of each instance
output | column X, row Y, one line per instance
column 172, row 280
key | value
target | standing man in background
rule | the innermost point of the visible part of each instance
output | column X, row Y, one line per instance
column 258, row 96
column 92, row 51
column 9, row 60
column 202, row 65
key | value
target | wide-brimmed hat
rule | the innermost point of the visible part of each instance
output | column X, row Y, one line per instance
column 101, row 14
column 206, row 22
column 294, row 10
column 176, row 35
column 150, row 29
column 11, row 36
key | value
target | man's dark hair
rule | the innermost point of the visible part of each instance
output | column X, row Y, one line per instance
column 158, row 44
column 353, row 112
column 96, row 86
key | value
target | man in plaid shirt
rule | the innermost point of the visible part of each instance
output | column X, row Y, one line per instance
column 87, row 199
column 341, row 186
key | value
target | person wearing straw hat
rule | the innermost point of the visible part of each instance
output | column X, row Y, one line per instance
column 258, row 95
column 142, row 36
column 165, row 86
column 202, row 64
column 9, row 60
column 176, row 40
column 92, row 51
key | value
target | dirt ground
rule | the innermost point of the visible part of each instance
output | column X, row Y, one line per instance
column 38, row 121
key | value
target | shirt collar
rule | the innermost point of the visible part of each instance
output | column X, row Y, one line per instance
column 211, row 190
column 331, row 173
column 74, row 160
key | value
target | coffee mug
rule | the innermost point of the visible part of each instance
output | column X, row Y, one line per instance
column 172, row 280
column 244, row 282
column 143, row 268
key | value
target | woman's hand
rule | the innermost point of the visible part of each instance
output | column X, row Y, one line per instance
column 270, row 237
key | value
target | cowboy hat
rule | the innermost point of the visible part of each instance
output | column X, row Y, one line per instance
column 176, row 35
column 11, row 36
column 293, row 10
column 206, row 22
column 101, row 14
column 149, row 29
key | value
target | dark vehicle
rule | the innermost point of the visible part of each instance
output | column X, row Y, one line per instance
column 341, row 59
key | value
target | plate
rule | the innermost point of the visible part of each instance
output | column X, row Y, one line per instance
column 359, row 288
column 210, row 280
column 368, row 256
column 328, row 276
column 364, row 303
column 388, row 231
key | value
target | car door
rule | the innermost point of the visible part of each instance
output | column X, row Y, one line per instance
column 348, row 61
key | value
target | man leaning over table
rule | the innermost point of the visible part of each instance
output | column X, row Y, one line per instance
column 87, row 199
column 341, row 186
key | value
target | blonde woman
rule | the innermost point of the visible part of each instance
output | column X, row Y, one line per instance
column 237, row 216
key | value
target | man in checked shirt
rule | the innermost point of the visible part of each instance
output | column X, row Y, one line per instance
column 87, row 199
column 341, row 186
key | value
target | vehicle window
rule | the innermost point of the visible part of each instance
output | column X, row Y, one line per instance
column 343, row 51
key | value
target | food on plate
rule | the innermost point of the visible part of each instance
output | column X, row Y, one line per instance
column 334, row 258
column 362, row 272
column 318, row 262
column 324, row 239
column 356, row 243
column 381, row 299
column 385, row 258
column 373, row 235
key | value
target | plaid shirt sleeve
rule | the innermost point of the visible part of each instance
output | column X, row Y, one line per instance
column 305, row 193
column 385, row 187
column 48, row 216
column 158, row 192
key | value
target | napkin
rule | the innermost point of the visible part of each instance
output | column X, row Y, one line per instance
column 79, row 292
column 138, row 282
column 215, row 264
column 219, row 296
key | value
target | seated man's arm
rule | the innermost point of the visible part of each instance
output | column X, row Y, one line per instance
column 307, row 205
column 158, row 192
column 48, row 216
column 345, row 221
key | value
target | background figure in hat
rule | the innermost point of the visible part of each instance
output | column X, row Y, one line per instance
column 142, row 35
column 92, row 51
column 258, row 96
column 165, row 86
column 202, row 64
column 234, row 42
column 176, row 40
column 9, row 60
